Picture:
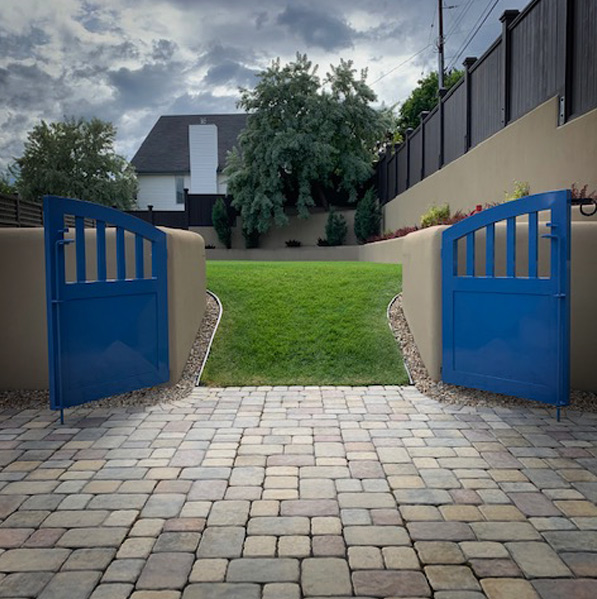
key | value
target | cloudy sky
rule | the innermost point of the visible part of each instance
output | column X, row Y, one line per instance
column 130, row 61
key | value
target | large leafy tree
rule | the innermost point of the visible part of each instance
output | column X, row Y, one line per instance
column 306, row 138
column 6, row 186
column 423, row 97
column 76, row 158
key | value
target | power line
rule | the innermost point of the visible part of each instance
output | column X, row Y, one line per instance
column 480, row 22
column 458, row 19
column 401, row 64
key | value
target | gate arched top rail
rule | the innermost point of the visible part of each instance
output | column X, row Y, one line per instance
column 529, row 204
column 112, row 216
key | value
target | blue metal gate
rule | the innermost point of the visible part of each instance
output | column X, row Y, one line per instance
column 506, row 328
column 107, row 331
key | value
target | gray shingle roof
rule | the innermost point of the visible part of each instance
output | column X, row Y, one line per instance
column 166, row 148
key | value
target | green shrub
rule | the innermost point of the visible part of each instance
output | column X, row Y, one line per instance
column 521, row 190
column 336, row 228
column 251, row 239
column 221, row 223
column 367, row 217
column 435, row 215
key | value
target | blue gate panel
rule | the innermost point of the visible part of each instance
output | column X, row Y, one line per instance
column 109, row 335
column 509, row 334
column 489, row 340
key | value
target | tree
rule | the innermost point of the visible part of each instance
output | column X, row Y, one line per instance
column 335, row 228
column 304, row 137
column 6, row 187
column 423, row 97
column 76, row 158
column 221, row 223
column 367, row 217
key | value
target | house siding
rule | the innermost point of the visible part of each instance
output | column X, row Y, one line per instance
column 159, row 191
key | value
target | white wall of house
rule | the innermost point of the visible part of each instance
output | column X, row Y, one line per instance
column 203, row 149
column 158, row 190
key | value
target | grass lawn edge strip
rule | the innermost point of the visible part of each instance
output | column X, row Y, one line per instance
column 211, row 339
column 388, row 316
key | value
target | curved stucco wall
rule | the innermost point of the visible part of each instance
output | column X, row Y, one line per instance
column 422, row 298
column 23, row 343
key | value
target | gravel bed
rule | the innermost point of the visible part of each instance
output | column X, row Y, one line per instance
column 36, row 399
column 452, row 394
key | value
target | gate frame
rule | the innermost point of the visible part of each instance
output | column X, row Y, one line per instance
column 556, row 286
column 59, row 292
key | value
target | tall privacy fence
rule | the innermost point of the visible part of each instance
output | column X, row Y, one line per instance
column 196, row 213
column 15, row 212
column 546, row 50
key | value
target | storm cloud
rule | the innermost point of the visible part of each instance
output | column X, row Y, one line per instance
column 131, row 61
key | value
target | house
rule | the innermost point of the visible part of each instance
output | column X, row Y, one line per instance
column 185, row 152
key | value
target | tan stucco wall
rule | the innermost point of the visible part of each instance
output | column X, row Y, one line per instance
column 23, row 343
column 348, row 253
column 532, row 148
column 307, row 231
column 422, row 294
column 421, row 283
column 389, row 251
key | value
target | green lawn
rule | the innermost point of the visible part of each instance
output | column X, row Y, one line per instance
column 304, row 323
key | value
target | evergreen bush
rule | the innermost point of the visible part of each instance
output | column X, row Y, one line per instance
column 336, row 228
column 367, row 217
column 221, row 223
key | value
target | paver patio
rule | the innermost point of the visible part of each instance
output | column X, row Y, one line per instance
column 289, row 492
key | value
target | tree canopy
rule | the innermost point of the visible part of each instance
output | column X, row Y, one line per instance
column 6, row 186
column 305, row 137
column 423, row 97
column 75, row 158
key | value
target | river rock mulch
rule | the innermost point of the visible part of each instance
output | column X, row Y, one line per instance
column 579, row 400
column 35, row 399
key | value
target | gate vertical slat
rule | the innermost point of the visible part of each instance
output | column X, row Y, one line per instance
column 490, row 250
column 101, row 250
column 470, row 254
column 511, row 247
column 120, row 254
column 80, row 249
column 533, row 245
column 139, row 266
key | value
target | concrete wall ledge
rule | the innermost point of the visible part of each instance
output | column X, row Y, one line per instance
column 349, row 253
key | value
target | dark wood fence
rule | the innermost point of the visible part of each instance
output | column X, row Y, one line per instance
column 15, row 212
column 546, row 50
column 196, row 213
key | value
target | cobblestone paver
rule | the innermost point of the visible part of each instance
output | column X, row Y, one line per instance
column 298, row 492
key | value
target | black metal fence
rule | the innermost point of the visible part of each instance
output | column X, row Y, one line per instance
column 546, row 50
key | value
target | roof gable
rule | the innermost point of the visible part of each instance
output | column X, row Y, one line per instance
column 166, row 148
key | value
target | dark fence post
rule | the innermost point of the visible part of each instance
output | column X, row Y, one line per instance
column 388, row 170
column 151, row 215
column 187, row 207
column 407, row 142
column 469, row 61
column 395, row 187
column 440, row 160
column 565, row 57
column 507, row 17
column 18, row 211
column 424, row 114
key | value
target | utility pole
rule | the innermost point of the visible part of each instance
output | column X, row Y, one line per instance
column 440, row 46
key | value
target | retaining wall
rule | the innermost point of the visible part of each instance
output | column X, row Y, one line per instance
column 24, row 340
